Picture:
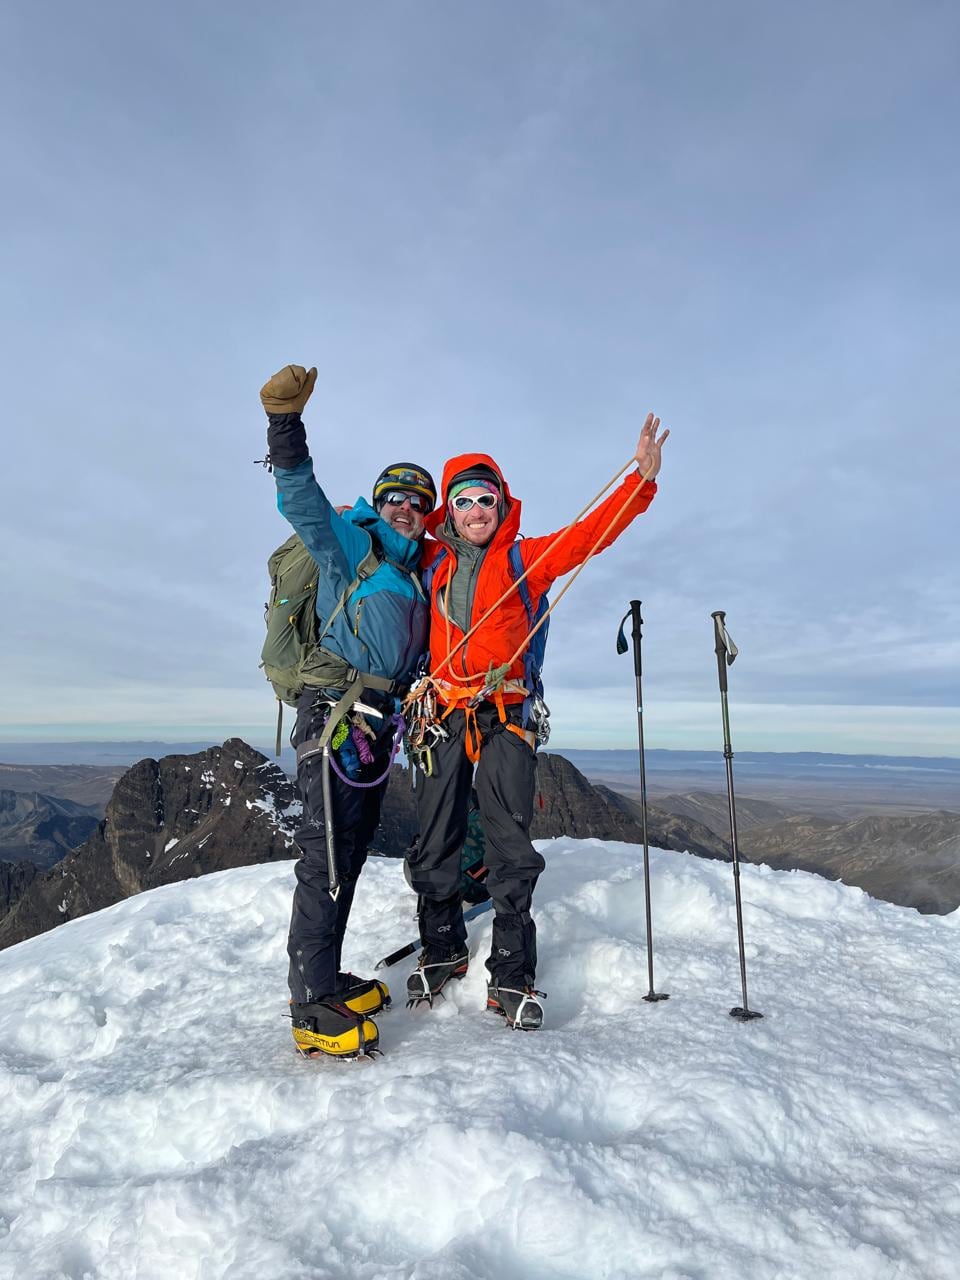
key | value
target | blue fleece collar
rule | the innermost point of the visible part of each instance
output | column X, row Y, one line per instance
column 397, row 548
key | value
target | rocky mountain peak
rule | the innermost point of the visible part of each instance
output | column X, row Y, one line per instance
column 167, row 820
column 229, row 806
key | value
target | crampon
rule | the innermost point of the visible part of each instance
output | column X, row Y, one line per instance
column 428, row 979
column 520, row 1006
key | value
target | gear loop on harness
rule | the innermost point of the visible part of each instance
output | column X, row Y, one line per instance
column 467, row 698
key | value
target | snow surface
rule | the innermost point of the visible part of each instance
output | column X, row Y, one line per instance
column 158, row 1124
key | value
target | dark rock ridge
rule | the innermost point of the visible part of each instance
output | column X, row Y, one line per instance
column 15, row 878
column 41, row 829
column 229, row 806
column 667, row 830
column 167, row 820
column 573, row 806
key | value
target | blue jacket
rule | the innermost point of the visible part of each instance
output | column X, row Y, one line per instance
column 383, row 627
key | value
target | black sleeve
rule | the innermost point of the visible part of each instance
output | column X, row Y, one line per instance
column 286, row 440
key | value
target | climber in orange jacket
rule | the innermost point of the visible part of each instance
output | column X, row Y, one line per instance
column 489, row 716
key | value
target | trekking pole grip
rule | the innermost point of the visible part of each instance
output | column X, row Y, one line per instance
column 637, row 624
column 720, row 647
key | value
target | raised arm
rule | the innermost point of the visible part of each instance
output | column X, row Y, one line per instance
column 631, row 497
column 331, row 540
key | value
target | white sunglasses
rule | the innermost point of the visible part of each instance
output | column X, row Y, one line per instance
column 463, row 502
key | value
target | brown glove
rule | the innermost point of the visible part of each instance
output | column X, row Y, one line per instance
column 289, row 390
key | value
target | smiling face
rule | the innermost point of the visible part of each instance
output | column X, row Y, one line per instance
column 402, row 516
column 476, row 525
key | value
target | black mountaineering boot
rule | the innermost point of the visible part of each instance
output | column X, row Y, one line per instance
column 520, row 1006
column 329, row 1027
column 432, row 975
column 362, row 995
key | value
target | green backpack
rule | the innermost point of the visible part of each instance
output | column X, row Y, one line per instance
column 292, row 656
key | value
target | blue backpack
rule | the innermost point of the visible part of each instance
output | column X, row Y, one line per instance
column 533, row 657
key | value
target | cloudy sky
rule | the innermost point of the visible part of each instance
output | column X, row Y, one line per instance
column 512, row 227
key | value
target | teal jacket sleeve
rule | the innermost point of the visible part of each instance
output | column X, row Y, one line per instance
column 333, row 542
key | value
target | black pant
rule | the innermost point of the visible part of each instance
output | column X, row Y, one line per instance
column 317, row 923
column 505, row 782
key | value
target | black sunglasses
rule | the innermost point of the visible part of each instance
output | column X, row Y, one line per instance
column 397, row 497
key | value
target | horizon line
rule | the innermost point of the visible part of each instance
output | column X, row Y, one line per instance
column 204, row 743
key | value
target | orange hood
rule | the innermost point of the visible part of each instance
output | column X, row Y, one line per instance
column 508, row 527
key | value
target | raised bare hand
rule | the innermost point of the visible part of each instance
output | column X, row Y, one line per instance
column 649, row 446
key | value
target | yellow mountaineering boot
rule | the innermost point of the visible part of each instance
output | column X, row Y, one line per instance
column 329, row 1027
column 363, row 995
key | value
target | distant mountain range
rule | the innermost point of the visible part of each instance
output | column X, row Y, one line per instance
column 107, row 754
column 87, row 785
column 910, row 859
column 836, row 786
column 40, row 829
column 779, row 761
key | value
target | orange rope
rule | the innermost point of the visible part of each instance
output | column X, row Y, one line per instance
column 573, row 577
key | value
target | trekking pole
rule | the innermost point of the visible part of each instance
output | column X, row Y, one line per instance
column 726, row 651
column 334, row 878
column 634, row 612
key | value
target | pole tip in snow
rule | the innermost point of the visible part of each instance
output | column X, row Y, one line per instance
column 653, row 996
column 745, row 1015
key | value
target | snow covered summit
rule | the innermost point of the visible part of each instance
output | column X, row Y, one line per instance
column 157, row 1123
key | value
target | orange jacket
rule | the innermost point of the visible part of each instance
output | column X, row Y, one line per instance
column 504, row 631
